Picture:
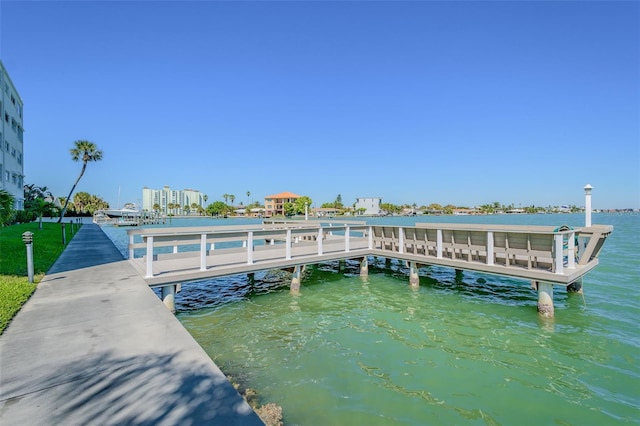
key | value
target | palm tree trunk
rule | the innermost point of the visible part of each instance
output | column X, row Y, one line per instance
column 66, row 202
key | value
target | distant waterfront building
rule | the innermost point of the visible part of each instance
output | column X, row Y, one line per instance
column 11, row 138
column 166, row 196
column 274, row 204
column 371, row 206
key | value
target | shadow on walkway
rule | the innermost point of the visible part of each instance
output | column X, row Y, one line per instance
column 106, row 389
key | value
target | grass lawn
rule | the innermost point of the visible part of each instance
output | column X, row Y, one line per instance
column 15, row 288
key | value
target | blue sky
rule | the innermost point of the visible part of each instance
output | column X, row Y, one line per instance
column 461, row 103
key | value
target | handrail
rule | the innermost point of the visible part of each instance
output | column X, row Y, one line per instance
column 206, row 237
column 533, row 248
column 534, row 229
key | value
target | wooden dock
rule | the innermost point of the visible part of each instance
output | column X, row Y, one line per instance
column 544, row 255
column 129, row 220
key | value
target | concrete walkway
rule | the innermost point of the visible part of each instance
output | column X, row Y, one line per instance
column 94, row 345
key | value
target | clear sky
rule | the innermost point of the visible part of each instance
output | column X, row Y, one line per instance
column 462, row 103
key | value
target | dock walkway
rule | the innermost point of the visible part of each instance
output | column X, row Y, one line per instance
column 95, row 345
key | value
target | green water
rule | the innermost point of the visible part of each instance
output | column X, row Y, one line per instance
column 467, row 349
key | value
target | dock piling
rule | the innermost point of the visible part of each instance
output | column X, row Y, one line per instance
column 414, row 278
column 295, row 279
column 575, row 287
column 169, row 297
column 545, row 299
column 364, row 267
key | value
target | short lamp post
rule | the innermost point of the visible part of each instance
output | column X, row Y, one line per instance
column 587, row 205
column 306, row 211
column 27, row 238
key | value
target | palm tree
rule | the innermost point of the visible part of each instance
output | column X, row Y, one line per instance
column 205, row 198
column 85, row 151
column 226, row 198
column 41, row 207
column 81, row 201
column 248, row 195
column 232, row 198
column 6, row 207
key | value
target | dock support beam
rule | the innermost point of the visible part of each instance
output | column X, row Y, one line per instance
column 364, row 267
column 545, row 298
column 169, row 296
column 414, row 279
column 295, row 279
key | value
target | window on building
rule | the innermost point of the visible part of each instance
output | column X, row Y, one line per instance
column 19, row 158
column 6, row 117
column 13, row 152
column 14, row 179
column 6, row 146
column 8, row 176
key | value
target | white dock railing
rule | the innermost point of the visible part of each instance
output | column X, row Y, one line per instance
column 283, row 241
column 490, row 248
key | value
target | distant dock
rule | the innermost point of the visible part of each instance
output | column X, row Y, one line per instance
column 127, row 218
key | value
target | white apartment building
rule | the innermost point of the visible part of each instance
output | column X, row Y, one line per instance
column 371, row 205
column 11, row 138
column 166, row 196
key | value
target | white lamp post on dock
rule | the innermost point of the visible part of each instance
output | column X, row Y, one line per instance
column 587, row 205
